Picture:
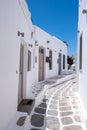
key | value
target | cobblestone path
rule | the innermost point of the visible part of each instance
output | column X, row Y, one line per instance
column 59, row 110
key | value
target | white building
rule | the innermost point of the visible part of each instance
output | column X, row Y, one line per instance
column 82, row 51
column 50, row 55
column 28, row 55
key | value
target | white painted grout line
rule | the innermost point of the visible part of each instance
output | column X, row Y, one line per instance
column 73, row 110
column 56, row 89
column 69, row 84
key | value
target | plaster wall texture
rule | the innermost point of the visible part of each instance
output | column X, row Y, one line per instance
column 82, row 73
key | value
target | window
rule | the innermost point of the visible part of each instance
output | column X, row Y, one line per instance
column 63, row 61
column 80, row 53
column 31, row 35
column 29, row 61
column 50, row 59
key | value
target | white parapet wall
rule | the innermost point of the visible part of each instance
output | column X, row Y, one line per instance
column 82, row 52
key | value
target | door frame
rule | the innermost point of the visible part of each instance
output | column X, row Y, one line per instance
column 24, row 71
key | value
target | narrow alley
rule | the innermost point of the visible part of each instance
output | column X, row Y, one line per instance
column 43, row 65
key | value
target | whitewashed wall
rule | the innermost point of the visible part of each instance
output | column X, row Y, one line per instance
column 82, row 28
column 55, row 45
column 41, row 37
column 12, row 20
column 14, row 17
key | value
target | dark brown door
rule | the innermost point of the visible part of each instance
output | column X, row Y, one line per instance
column 59, row 63
column 41, row 63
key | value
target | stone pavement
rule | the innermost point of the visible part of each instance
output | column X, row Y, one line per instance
column 64, row 111
column 59, row 109
column 38, row 87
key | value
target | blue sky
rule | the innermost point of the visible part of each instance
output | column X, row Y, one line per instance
column 57, row 17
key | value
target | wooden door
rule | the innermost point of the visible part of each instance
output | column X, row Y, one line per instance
column 59, row 63
column 41, row 64
column 20, row 88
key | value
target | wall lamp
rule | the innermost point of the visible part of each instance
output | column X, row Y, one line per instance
column 84, row 11
column 36, row 43
column 30, row 45
column 47, row 48
column 48, row 41
column 22, row 34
